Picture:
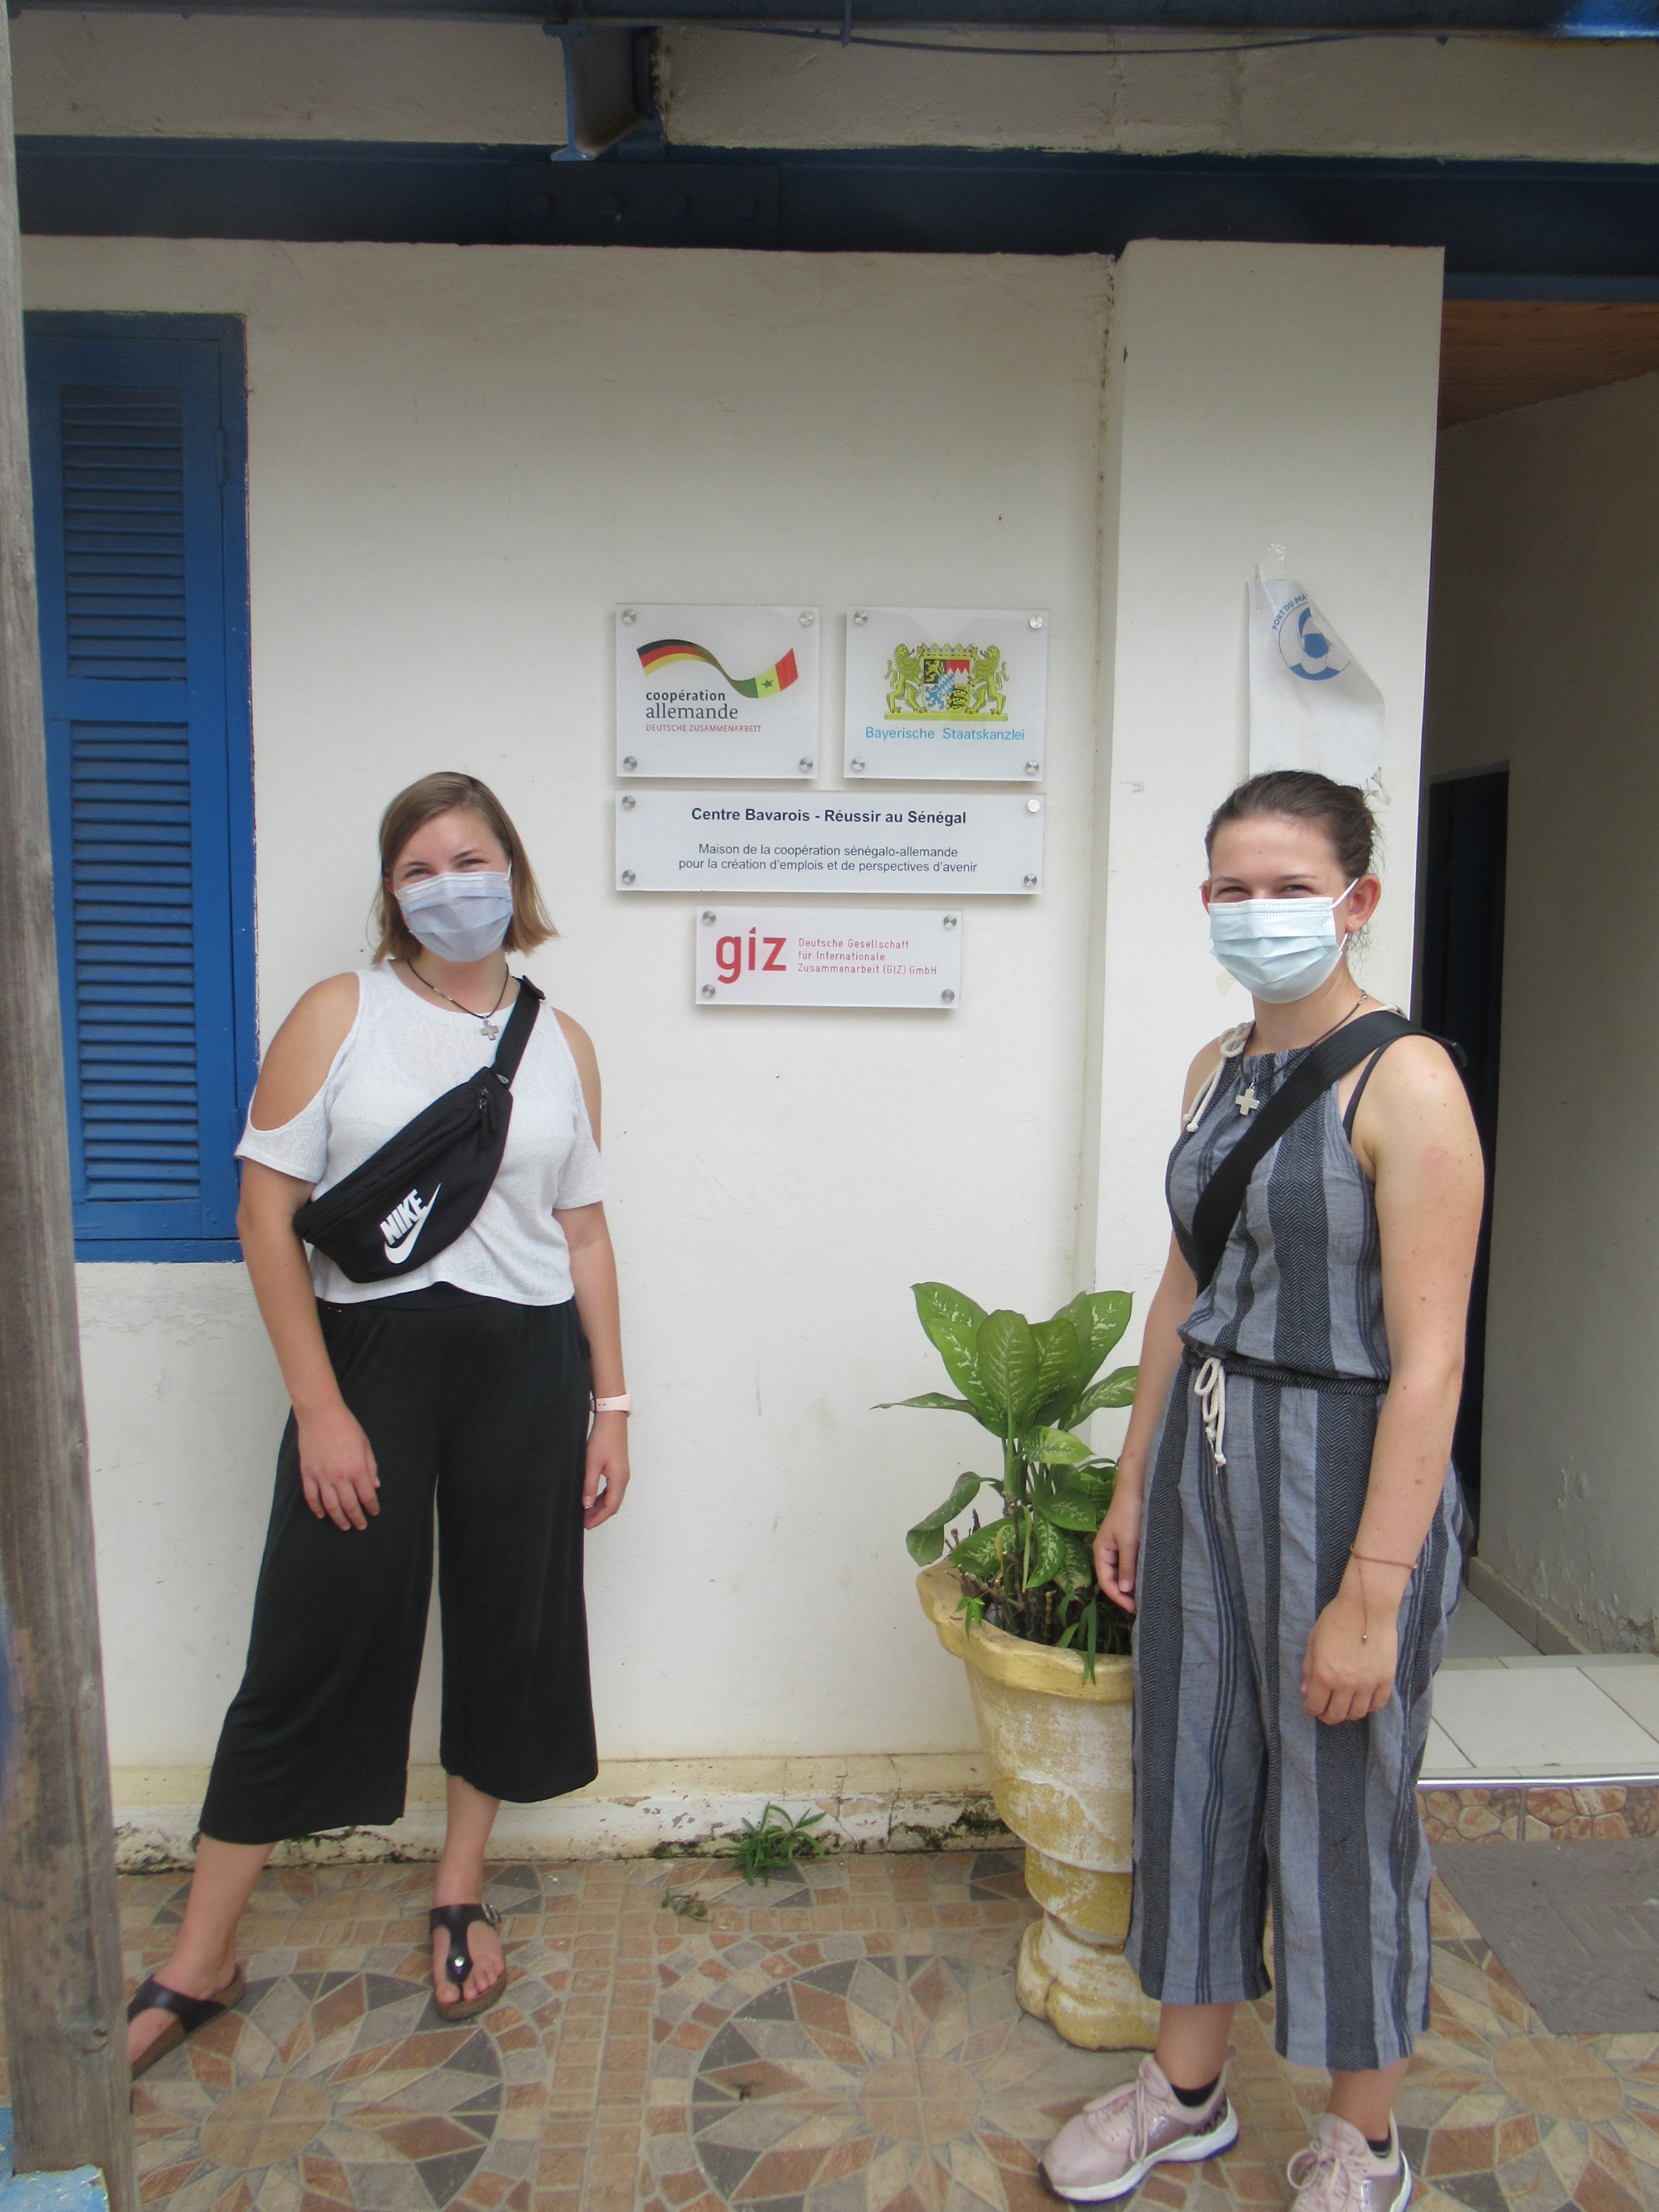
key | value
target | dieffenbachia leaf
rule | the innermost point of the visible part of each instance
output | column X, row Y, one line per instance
column 1073, row 1509
column 1054, row 1448
column 1099, row 1317
column 1116, row 1389
column 926, row 1540
column 953, row 1322
column 936, row 1401
column 1078, row 1570
column 1097, row 1482
column 1048, row 1552
column 1059, row 1354
column 978, row 1555
column 1005, row 1353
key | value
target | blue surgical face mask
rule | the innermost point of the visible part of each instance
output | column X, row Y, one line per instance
column 459, row 917
column 1280, row 950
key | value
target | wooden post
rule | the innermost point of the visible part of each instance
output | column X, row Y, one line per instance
column 60, row 1941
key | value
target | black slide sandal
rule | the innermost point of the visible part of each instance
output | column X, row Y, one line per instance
column 188, row 2014
column 456, row 1919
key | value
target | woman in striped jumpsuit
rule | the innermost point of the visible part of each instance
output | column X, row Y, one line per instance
column 1286, row 1522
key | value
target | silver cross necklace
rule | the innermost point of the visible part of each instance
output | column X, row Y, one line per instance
column 1246, row 1102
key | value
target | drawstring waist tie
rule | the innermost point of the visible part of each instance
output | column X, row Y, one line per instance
column 1210, row 1386
column 1210, row 1369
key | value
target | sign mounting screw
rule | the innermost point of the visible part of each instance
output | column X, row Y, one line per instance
column 1033, row 768
column 628, row 802
column 949, row 997
column 629, row 614
column 808, row 618
column 630, row 764
column 628, row 876
column 950, row 921
column 1036, row 622
column 1032, row 806
column 1030, row 882
column 856, row 767
column 708, row 990
column 807, row 768
column 709, row 913
column 860, row 618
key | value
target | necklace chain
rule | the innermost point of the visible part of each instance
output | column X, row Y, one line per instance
column 1323, row 1034
column 1247, row 1101
column 470, row 1012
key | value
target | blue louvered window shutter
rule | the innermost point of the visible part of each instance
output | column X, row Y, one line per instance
column 137, row 438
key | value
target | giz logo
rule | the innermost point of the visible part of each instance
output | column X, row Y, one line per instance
column 728, row 956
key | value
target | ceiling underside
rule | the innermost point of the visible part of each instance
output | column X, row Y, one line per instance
column 1499, row 354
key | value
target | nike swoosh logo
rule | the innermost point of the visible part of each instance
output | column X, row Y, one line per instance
column 399, row 1252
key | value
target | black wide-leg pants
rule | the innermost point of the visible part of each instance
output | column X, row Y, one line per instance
column 481, row 1406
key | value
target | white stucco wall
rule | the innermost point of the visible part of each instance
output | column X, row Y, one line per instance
column 1546, row 566
column 460, row 460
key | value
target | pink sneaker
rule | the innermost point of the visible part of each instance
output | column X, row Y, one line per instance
column 1114, row 2143
column 1340, row 2172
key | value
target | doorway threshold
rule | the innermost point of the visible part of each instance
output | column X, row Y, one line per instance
column 1545, row 1721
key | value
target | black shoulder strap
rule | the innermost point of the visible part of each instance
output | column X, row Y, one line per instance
column 516, row 1035
column 1219, row 1200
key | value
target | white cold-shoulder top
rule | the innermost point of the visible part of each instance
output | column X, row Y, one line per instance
column 400, row 1055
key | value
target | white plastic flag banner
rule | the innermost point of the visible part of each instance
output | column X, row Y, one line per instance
column 1312, row 705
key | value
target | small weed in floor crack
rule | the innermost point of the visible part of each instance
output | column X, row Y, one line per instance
column 775, row 1841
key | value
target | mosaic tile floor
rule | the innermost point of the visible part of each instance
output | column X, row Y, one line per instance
column 848, row 2041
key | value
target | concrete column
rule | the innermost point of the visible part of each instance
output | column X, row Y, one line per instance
column 1259, row 396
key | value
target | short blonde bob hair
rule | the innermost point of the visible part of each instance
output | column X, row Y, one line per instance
column 450, row 792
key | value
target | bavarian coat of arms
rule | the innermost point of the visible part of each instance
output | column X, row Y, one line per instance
column 951, row 682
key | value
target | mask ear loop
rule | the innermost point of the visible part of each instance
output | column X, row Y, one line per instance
column 1349, row 936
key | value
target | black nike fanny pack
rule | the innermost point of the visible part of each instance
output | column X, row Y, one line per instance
column 411, row 1200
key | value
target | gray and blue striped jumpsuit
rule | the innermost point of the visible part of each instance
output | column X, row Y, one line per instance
column 1240, row 1796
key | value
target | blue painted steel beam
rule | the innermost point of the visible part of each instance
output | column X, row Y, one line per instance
column 1509, row 222
column 1549, row 18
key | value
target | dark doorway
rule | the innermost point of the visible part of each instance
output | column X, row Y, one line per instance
column 1463, row 999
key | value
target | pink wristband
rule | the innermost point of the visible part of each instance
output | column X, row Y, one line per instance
column 622, row 1404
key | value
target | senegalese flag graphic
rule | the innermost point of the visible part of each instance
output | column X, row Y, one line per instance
column 766, row 685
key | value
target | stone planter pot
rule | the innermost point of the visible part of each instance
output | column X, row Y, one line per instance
column 1059, row 1753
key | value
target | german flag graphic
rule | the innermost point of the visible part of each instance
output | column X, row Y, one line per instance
column 766, row 685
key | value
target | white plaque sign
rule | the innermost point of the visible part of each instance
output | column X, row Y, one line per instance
column 834, row 841
column 717, row 691
column 946, row 691
column 751, row 956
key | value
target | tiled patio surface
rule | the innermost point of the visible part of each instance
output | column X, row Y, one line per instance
column 847, row 2040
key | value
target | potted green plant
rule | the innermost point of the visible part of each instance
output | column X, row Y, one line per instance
column 1015, row 1597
